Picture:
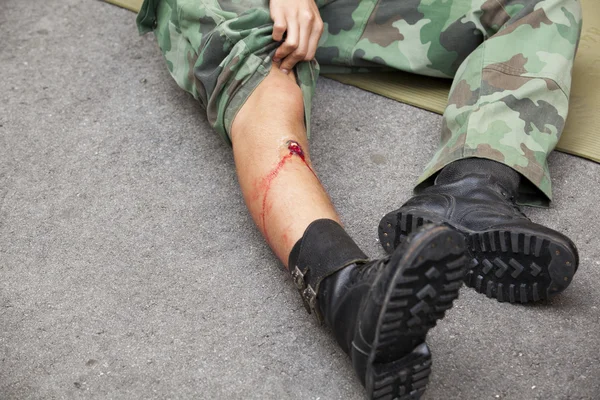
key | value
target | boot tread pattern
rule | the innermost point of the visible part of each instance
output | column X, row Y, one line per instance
column 407, row 383
column 419, row 316
column 514, row 273
column 506, row 265
column 425, row 286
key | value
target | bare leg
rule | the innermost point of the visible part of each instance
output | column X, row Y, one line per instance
column 337, row 281
column 273, row 165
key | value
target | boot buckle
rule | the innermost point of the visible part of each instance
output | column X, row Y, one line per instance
column 307, row 293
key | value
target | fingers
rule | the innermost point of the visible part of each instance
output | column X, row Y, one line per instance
column 302, row 30
column 279, row 27
column 299, row 53
column 291, row 41
column 314, row 40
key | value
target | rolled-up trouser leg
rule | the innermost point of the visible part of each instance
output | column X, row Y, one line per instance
column 219, row 51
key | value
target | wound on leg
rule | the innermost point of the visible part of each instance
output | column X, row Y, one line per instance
column 294, row 150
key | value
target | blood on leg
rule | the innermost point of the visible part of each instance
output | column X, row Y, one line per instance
column 294, row 149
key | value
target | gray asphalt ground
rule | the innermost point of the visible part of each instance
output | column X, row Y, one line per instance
column 130, row 269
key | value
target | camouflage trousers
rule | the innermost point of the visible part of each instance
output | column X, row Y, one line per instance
column 511, row 62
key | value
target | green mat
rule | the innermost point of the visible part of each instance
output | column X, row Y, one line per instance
column 581, row 136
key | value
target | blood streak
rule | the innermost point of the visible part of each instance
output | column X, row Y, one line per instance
column 294, row 150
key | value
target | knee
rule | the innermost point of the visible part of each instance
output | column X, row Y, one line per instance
column 276, row 104
column 279, row 92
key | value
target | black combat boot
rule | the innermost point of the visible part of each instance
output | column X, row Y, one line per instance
column 511, row 258
column 380, row 310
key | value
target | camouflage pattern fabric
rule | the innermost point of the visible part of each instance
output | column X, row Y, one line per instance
column 511, row 62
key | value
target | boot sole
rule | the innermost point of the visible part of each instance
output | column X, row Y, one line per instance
column 516, row 266
column 429, row 273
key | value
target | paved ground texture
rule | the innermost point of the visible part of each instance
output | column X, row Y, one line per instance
column 129, row 267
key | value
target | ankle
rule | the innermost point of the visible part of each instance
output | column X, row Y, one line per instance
column 324, row 244
column 324, row 250
column 486, row 172
column 278, row 98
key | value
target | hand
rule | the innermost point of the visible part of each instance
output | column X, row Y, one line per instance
column 304, row 26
